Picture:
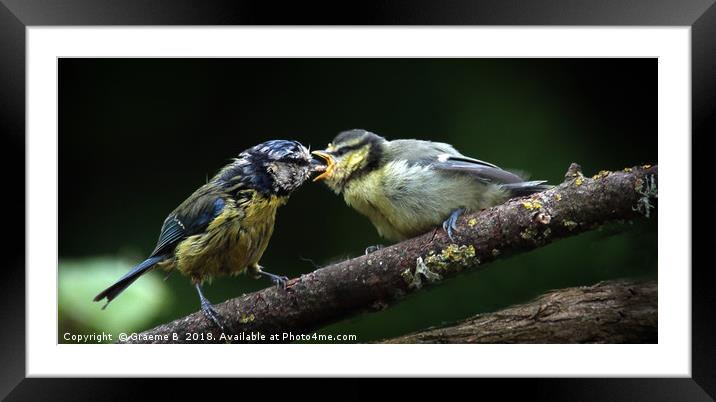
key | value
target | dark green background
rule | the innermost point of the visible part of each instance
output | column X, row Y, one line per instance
column 137, row 136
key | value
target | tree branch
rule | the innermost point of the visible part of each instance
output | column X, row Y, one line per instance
column 608, row 312
column 373, row 281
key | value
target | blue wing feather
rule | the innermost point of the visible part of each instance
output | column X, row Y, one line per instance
column 188, row 220
column 172, row 231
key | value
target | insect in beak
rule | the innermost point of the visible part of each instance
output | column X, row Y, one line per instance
column 330, row 164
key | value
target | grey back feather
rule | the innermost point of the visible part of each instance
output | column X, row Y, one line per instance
column 446, row 158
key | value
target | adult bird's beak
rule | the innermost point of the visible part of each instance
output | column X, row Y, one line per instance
column 330, row 164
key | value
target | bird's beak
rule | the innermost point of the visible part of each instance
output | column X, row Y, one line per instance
column 330, row 164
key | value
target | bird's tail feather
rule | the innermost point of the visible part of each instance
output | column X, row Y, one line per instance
column 122, row 283
column 526, row 187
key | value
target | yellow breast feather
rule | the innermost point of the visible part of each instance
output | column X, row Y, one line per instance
column 233, row 241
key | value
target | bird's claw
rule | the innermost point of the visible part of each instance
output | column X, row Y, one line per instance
column 450, row 223
column 373, row 249
column 279, row 280
column 208, row 309
column 210, row 313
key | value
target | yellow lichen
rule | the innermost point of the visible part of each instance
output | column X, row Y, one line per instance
column 558, row 197
column 579, row 181
column 451, row 256
column 602, row 173
column 627, row 170
column 531, row 205
column 472, row 222
column 454, row 252
column 646, row 166
column 247, row 318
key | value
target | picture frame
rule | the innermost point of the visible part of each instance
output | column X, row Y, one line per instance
column 15, row 16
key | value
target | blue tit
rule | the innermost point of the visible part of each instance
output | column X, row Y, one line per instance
column 223, row 228
column 407, row 187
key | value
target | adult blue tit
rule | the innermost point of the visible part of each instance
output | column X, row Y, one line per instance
column 407, row 187
column 223, row 228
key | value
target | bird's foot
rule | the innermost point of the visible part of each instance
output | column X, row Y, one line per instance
column 208, row 310
column 278, row 280
column 373, row 249
column 210, row 313
column 450, row 223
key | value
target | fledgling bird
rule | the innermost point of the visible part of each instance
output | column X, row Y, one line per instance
column 223, row 228
column 407, row 187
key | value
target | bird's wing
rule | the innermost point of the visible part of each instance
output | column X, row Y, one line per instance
column 444, row 157
column 486, row 173
column 190, row 218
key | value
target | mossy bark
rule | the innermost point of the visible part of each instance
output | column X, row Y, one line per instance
column 378, row 279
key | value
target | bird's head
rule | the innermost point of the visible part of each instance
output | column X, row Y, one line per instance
column 288, row 164
column 351, row 154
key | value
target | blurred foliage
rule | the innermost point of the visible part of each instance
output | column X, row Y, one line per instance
column 137, row 136
column 80, row 279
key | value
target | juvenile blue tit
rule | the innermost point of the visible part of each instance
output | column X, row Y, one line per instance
column 223, row 228
column 407, row 187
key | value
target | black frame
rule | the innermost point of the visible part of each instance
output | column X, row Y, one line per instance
column 15, row 15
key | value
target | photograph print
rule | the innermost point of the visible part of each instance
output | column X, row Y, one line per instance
column 357, row 200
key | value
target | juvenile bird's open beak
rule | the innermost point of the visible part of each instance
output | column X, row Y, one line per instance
column 330, row 164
